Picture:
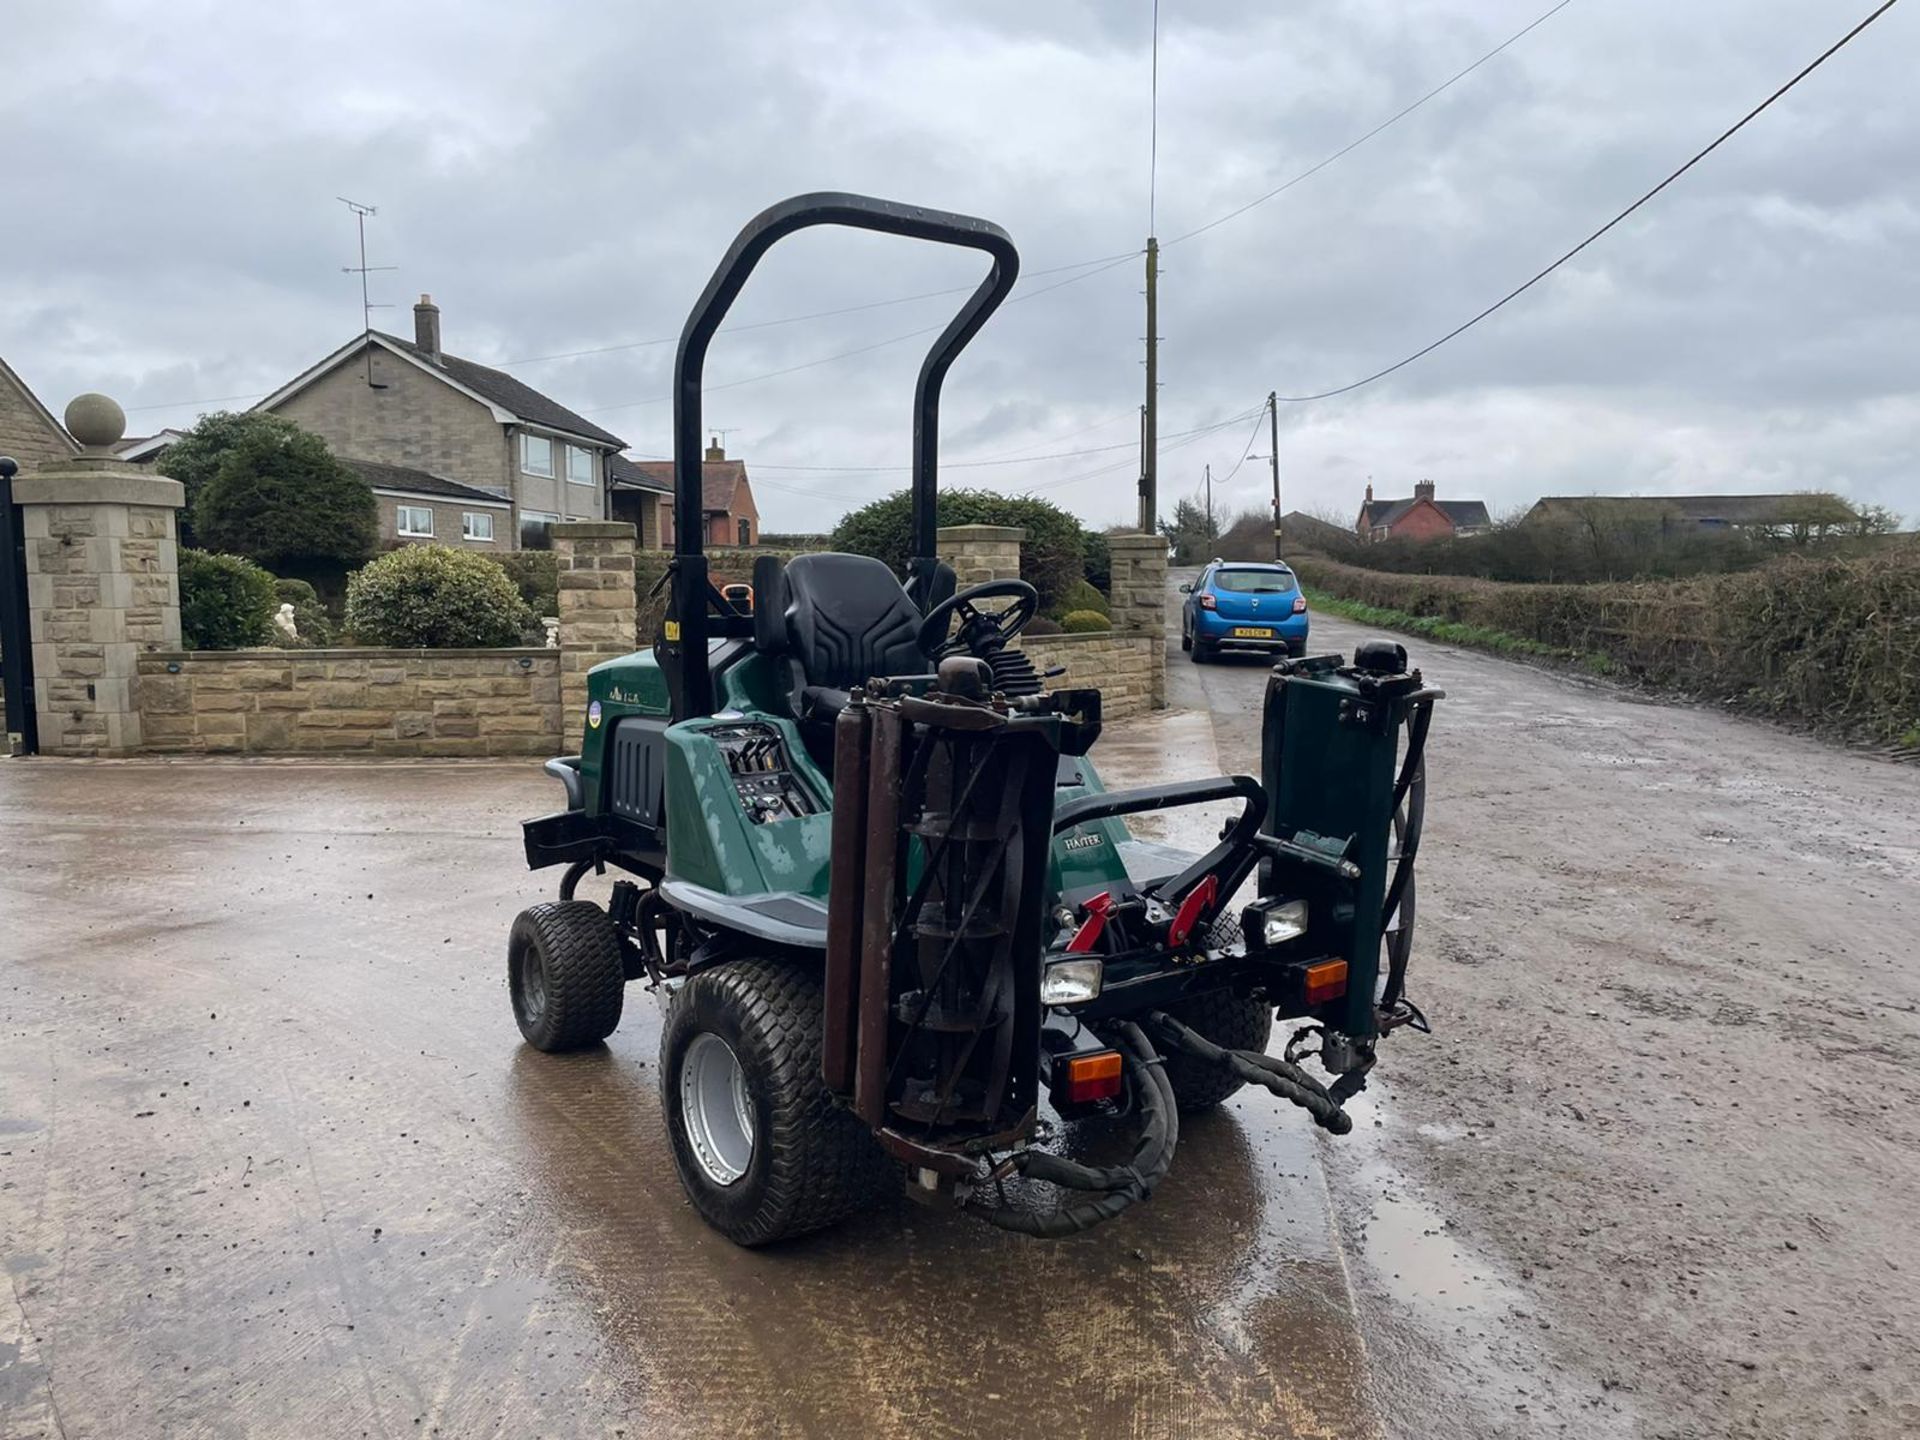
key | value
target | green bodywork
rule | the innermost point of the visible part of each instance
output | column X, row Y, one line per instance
column 711, row 843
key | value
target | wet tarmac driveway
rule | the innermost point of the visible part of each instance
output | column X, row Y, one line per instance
column 274, row 1161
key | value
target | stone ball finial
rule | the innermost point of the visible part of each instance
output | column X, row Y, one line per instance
column 96, row 421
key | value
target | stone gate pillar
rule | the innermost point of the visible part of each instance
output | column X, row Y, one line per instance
column 979, row 553
column 103, row 583
column 1138, row 595
column 597, row 605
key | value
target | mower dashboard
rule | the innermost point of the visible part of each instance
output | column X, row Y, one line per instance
column 762, row 772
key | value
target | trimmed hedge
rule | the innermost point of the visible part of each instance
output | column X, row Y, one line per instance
column 1051, row 557
column 1084, row 622
column 1834, row 643
column 226, row 602
column 436, row 597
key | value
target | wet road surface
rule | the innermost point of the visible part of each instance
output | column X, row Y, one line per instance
column 274, row 1161
column 1655, row 1170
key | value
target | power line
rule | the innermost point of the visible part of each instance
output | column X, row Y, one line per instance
column 983, row 464
column 1386, row 124
column 1260, row 415
column 1520, row 290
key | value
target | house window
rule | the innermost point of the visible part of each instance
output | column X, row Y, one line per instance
column 746, row 531
column 536, row 455
column 579, row 465
column 476, row 525
column 414, row 520
column 536, row 530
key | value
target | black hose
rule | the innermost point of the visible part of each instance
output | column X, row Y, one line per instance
column 1118, row 1187
column 1282, row 1077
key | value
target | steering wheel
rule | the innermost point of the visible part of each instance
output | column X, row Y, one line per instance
column 980, row 634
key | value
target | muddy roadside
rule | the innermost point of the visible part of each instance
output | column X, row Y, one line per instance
column 1666, row 1128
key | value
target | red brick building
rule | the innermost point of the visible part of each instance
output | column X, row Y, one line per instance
column 726, row 498
column 1421, row 518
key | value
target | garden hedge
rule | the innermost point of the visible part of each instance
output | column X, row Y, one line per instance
column 1830, row 642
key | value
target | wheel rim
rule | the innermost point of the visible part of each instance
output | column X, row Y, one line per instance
column 533, row 985
column 716, row 1109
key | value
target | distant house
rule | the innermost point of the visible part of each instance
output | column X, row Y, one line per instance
column 417, row 415
column 642, row 499
column 726, row 498
column 28, row 431
column 1421, row 518
column 1705, row 512
column 1301, row 531
column 418, row 507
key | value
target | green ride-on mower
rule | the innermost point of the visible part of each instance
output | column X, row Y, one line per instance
column 890, row 903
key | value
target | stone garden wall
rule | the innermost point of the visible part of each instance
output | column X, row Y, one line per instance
column 1119, row 664
column 351, row 702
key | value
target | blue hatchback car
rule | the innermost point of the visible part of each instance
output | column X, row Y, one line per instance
column 1234, row 607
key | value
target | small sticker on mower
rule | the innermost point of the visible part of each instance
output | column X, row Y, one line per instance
column 593, row 716
column 1081, row 842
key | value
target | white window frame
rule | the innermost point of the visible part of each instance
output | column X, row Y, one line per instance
column 527, row 466
column 467, row 523
column 586, row 464
column 403, row 513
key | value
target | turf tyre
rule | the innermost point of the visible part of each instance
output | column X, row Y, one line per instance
column 564, row 974
column 1229, row 1019
column 812, row 1162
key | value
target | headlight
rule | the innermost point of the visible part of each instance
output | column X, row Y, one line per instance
column 1276, row 924
column 1071, row 982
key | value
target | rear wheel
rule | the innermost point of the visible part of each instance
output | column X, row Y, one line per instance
column 762, row 1150
column 1201, row 654
column 1228, row 1019
column 1297, row 648
column 1186, row 640
column 565, row 975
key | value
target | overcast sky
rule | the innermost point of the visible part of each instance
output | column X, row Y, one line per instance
column 563, row 177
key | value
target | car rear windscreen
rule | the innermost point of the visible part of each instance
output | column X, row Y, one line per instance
column 1253, row 582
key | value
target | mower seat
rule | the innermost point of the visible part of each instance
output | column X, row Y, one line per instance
column 840, row 620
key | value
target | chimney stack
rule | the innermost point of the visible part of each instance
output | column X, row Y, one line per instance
column 426, row 327
column 714, row 452
column 1369, row 492
column 1423, row 491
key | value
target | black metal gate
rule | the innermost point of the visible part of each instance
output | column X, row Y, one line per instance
column 16, row 639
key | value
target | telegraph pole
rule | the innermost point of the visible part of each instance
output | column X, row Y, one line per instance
column 1211, row 536
column 1150, row 423
column 1273, row 436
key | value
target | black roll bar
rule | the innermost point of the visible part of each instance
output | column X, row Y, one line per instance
column 685, row 644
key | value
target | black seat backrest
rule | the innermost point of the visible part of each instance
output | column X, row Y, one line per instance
column 847, row 620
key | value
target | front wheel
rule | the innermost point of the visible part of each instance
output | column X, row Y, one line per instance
column 565, row 974
column 762, row 1150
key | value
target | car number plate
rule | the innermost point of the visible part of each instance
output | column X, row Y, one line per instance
column 1252, row 632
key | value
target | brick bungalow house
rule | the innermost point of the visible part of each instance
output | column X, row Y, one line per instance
column 28, row 431
column 1421, row 518
column 457, row 453
column 726, row 498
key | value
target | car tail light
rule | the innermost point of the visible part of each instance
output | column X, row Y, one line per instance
column 1299, row 604
column 1207, row 601
column 1091, row 1077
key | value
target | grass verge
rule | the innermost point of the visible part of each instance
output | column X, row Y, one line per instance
column 1452, row 632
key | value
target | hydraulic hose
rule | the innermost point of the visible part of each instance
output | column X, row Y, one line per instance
column 1282, row 1077
column 1115, row 1188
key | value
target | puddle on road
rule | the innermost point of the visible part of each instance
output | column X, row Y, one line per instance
column 1458, row 1347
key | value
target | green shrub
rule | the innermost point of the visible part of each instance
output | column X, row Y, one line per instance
column 312, row 624
column 1096, row 560
column 1041, row 625
column 1084, row 622
column 536, row 574
column 279, row 497
column 435, row 597
column 1051, row 557
column 226, row 602
column 1082, row 596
